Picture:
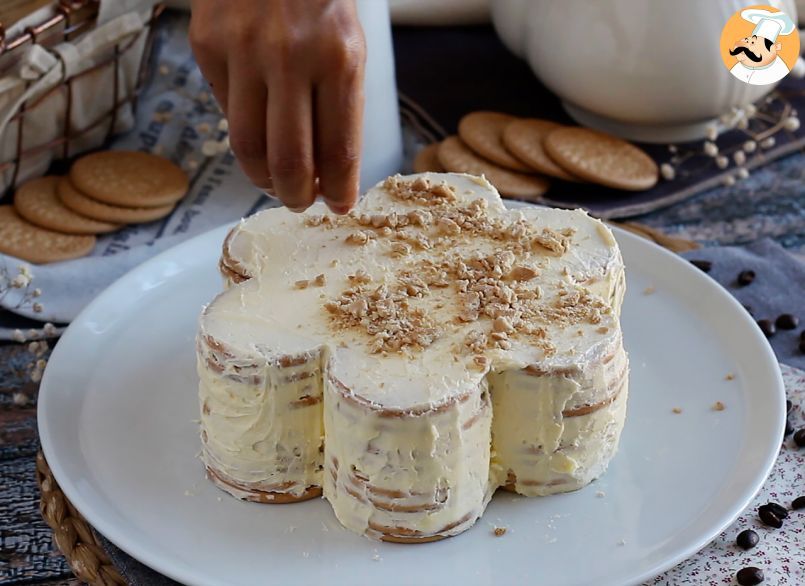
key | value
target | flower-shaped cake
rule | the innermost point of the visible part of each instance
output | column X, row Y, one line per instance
column 410, row 358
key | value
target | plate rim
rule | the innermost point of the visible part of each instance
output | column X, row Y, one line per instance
column 117, row 535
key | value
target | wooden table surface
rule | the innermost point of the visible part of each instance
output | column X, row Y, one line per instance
column 27, row 553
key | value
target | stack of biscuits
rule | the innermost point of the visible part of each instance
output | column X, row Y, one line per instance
column 521, row 156
column 58, row 218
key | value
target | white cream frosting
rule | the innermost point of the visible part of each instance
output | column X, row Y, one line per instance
column 256, row 432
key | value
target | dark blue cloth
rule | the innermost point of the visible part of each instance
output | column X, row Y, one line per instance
column 779, row 287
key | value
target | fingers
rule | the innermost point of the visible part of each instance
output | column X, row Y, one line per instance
column 290, row 140
column 246, row 112
column 339, row 121
column 207, row 53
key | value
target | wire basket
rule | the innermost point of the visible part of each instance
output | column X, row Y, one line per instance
column 68, row 83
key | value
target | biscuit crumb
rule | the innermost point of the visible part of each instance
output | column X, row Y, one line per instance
column 729, row 376
column 320, row 280
column 360, row 237
column 556, row 242
column 649, row 290
column 499, row 531
column 523, row 273
column 718, row 406
column 301, row 284
column 676, row 410
column 480, row 361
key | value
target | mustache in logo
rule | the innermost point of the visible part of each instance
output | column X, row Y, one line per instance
column 751, row 56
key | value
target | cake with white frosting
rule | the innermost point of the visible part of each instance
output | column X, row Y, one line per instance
column 412, row 357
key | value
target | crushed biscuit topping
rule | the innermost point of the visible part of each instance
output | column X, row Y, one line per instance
column 496, row 291
column 360, row 237
column 557, row 242
column 419, row 191
column 522, row 273
column 360, row 277
column 386, row 316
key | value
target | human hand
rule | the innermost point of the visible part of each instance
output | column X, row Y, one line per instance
column 288, row 74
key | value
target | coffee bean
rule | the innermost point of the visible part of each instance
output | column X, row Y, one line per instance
column 747, row 539
column 798, row 503
column 767, row 327
column 769, row 518
column 802, row 345
column 802, row 336
column 748, row 309
column 799, row 438
column 787, row 321
column 777, row 509
column 788, row 406
column 750, row 576
column 704, row 265
column 745, row 278
column 789, row 428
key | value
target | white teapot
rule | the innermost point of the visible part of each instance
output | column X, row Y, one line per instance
column 646, row 70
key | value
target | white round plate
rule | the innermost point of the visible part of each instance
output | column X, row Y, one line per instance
column 117, row 411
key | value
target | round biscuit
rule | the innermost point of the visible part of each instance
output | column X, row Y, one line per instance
column 21, row 239
column 524, row 139
column 86, row 206
column 427, row 159
column 456, row 157
column 601, row 158
column 129, row 179
column 37, row 202
column 483, row 133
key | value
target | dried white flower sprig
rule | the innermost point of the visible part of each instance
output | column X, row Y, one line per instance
column 21, row 281
column 36, row 367
column 759, row 124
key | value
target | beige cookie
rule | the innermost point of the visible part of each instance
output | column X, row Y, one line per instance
column 483, row 133
column 86, row 206
column 601, row 158
column 524, row 138
column 129, row 179
column 37, row 202
column 427, row 159
column 455, row 156
column 21, row 239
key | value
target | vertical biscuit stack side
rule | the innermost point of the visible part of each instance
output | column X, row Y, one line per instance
column 447, row 348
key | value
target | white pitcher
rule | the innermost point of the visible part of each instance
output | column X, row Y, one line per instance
column 647, row 70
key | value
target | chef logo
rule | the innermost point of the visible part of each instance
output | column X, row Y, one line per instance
column 760, row 45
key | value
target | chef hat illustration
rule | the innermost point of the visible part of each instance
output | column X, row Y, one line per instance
column 769, row 25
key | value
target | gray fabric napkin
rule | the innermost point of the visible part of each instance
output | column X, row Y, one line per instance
column 778, row 287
